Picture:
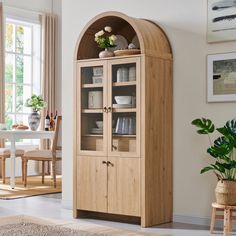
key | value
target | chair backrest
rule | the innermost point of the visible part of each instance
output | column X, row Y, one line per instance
column 55, row 138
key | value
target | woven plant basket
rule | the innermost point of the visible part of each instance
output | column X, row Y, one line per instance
column 226, row 192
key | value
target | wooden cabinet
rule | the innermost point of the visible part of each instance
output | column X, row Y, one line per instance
column 123, row 152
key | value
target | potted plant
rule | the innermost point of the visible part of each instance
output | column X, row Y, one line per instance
column 105, row 40
column 36, row 103
column 222, row 150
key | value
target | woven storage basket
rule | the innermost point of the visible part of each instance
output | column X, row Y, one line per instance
column 226, row 192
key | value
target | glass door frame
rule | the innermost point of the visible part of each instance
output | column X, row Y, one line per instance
column 129, row 60
column 79, row 111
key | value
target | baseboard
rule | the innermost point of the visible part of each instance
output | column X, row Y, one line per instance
column 204, row 221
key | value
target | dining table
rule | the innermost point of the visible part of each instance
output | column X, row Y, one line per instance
column 13, row 136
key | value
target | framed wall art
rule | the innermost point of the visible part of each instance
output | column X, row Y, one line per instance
column 221, row 77
column 221, row 20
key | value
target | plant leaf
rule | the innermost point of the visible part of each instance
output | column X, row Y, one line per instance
column 206, row 126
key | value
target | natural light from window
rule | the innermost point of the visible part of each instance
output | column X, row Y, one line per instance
column 22, row 69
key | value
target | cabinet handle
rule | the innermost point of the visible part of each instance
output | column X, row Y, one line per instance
column 109, row 109
column 109, row 163
column 105, row 162
column 104, row 109
column 114, row 147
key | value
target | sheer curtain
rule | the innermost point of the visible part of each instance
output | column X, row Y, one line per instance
column 48, row 24
column 2, row 81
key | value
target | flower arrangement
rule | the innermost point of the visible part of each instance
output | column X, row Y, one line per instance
column 36, row 102
column 104, row 38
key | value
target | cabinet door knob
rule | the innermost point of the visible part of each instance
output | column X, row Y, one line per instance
column 109, row 109
column 104, row 109
column 114, row 147
column 105, row 162
column 109, row 163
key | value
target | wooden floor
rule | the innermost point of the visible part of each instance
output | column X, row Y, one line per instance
column 49, row 206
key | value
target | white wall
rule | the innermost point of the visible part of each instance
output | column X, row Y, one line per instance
column 184, row 21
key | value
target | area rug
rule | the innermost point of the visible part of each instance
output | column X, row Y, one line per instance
column 32, row 226
column 34, row 187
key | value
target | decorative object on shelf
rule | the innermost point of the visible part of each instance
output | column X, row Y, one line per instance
column 123, row 99
column 221, row 77
column 36, row 103
column 95, row 99
column 135, row 41
column 122, row 74
column 105, row 40
column 3, row 126
column 106, row 53
column 131, row 46
column 97, row 75
column 121, row 43
column 125, row 126
column 132, row 73
column 221, row 20
column 223, row 152
column 126, row 52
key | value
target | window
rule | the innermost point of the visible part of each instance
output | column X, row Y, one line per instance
column 22, row 68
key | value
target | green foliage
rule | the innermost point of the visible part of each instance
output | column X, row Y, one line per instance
column 223, row 148
column 104, row 39
column 36, row 102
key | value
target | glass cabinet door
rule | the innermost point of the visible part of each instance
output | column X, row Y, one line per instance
column 91, row 101
column 124, row 106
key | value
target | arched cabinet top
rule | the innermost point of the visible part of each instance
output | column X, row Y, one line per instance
column 152, row 39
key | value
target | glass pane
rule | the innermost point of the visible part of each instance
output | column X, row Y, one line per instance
column 19, row 39
column 22, row 93
column 9, row 67
column 92, row 75
column 23, row 69
column 9, row 44
column 23, row 39
column 124, row 108
column 9, row 120
column 92, row 132
column 9, row 100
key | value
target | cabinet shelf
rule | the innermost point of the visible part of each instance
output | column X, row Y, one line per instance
column 93, row 135
column 121, row 84
column 124, row 136
column 123, row 110
column 98, row 85
column 92, row 111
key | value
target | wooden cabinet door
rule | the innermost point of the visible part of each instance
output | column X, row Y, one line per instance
column 91, row 183
column 124, row 186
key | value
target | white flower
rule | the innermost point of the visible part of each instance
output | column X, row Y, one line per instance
column 113, row 37
column 100, row 33
column 108, row 29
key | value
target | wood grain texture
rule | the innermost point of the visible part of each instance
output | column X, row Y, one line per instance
column 91, row 183
column 157, row 167
column 139, row 183
column 124, row 186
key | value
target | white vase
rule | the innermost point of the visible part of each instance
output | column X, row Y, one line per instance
column 34, row 120
column 106, row 53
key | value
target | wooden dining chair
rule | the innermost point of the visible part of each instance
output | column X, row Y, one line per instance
column 53, row 155
column 4, row 154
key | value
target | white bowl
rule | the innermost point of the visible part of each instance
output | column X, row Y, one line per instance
column 99, row 124
column 123, row 99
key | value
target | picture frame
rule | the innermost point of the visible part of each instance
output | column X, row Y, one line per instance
column 221, row 20
column 221, row 74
